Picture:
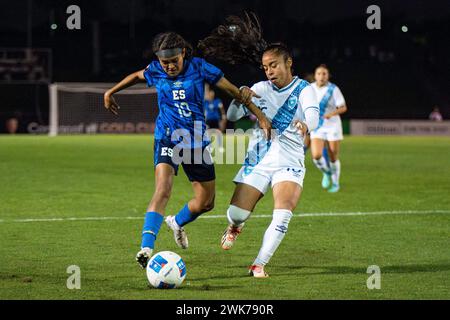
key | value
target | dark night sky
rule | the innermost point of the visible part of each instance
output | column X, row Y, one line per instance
column 406, row 67
column 13, row 13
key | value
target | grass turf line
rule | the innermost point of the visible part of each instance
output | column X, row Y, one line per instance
column 325, row 257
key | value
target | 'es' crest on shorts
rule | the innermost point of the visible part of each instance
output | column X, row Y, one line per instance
column 167, row 152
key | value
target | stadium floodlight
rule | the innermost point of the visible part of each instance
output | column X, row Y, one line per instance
column 77, row 108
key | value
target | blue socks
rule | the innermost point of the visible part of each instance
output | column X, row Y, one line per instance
column 185, row 216
column 153, row 221
column 152, row 224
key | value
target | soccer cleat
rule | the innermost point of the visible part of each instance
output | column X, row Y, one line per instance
column 334, row 188
column 326, row 181
column 257, row 271
column 230, row 235
column 178, row 232
column 143, row 256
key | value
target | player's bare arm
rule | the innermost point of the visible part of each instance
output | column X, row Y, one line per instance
column 130, row 80
column 234, row 92
column 301, row 127
column 247, row 94
column 340, row 110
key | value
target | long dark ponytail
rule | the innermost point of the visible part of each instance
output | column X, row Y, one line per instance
column 238, row 40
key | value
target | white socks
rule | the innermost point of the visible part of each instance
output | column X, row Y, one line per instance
column 335, row 168
column 273, row 236
column 322, row 165
column 237, row 216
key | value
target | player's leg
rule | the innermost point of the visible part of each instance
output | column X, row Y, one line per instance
column 155, row 212
column 286, row 195
column 203, row 201
column 164, row 174
column 202, row 176
column 241, row 206
column 335, row 164
column 317, row 146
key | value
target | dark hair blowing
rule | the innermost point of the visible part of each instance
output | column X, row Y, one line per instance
column 239, row 40
column 171, row 40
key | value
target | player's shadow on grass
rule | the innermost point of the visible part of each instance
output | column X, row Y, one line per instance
column 200, row 287
column 353, row 270
column 208, row 287
column 233, row 274
column 221, row 277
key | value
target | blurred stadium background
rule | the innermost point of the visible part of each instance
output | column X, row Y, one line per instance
column 398, row 72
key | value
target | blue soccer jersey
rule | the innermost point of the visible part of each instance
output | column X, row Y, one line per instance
column 212, row 110
column 181, row 98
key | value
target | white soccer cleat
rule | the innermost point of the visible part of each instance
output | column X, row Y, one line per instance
column 143, row 256
column 257, row 271
column 178, row 232
column 230, row 235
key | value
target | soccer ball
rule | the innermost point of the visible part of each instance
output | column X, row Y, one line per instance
column 166, row 270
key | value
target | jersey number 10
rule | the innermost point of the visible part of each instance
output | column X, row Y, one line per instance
column 183, row 107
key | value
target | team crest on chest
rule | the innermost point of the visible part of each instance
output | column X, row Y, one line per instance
column 293, row 100
column 178, row 84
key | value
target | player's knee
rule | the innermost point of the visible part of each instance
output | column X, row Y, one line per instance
column 236, row 215
column 333, row 156
column 316, row 155
column 202, row 205
column 208, row 205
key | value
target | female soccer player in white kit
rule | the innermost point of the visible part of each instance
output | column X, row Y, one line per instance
column 329, row 131
column 290, row 103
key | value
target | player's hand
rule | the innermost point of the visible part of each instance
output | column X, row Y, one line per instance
column 327, row 116
column 246, row 95
column 266, row 126
column 301, row 127
column 111, row 104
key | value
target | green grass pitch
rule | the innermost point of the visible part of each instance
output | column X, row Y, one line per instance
column 322, row 257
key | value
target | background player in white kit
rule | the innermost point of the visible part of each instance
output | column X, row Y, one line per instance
column 329, row 132
column 291, row 105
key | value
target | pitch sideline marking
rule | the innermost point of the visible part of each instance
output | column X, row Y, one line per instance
column 299, row 215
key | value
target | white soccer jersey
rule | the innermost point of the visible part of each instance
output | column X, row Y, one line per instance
column 333, row 102
column 282, row 158
column 329, row 98
column 282, row 107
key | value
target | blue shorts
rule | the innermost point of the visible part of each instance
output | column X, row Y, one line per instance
column 198, row 167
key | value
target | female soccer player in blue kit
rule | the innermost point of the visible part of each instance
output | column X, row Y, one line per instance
column 179, row 79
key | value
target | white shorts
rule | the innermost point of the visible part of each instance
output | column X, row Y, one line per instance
column 278, row 165
column 329, row 131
